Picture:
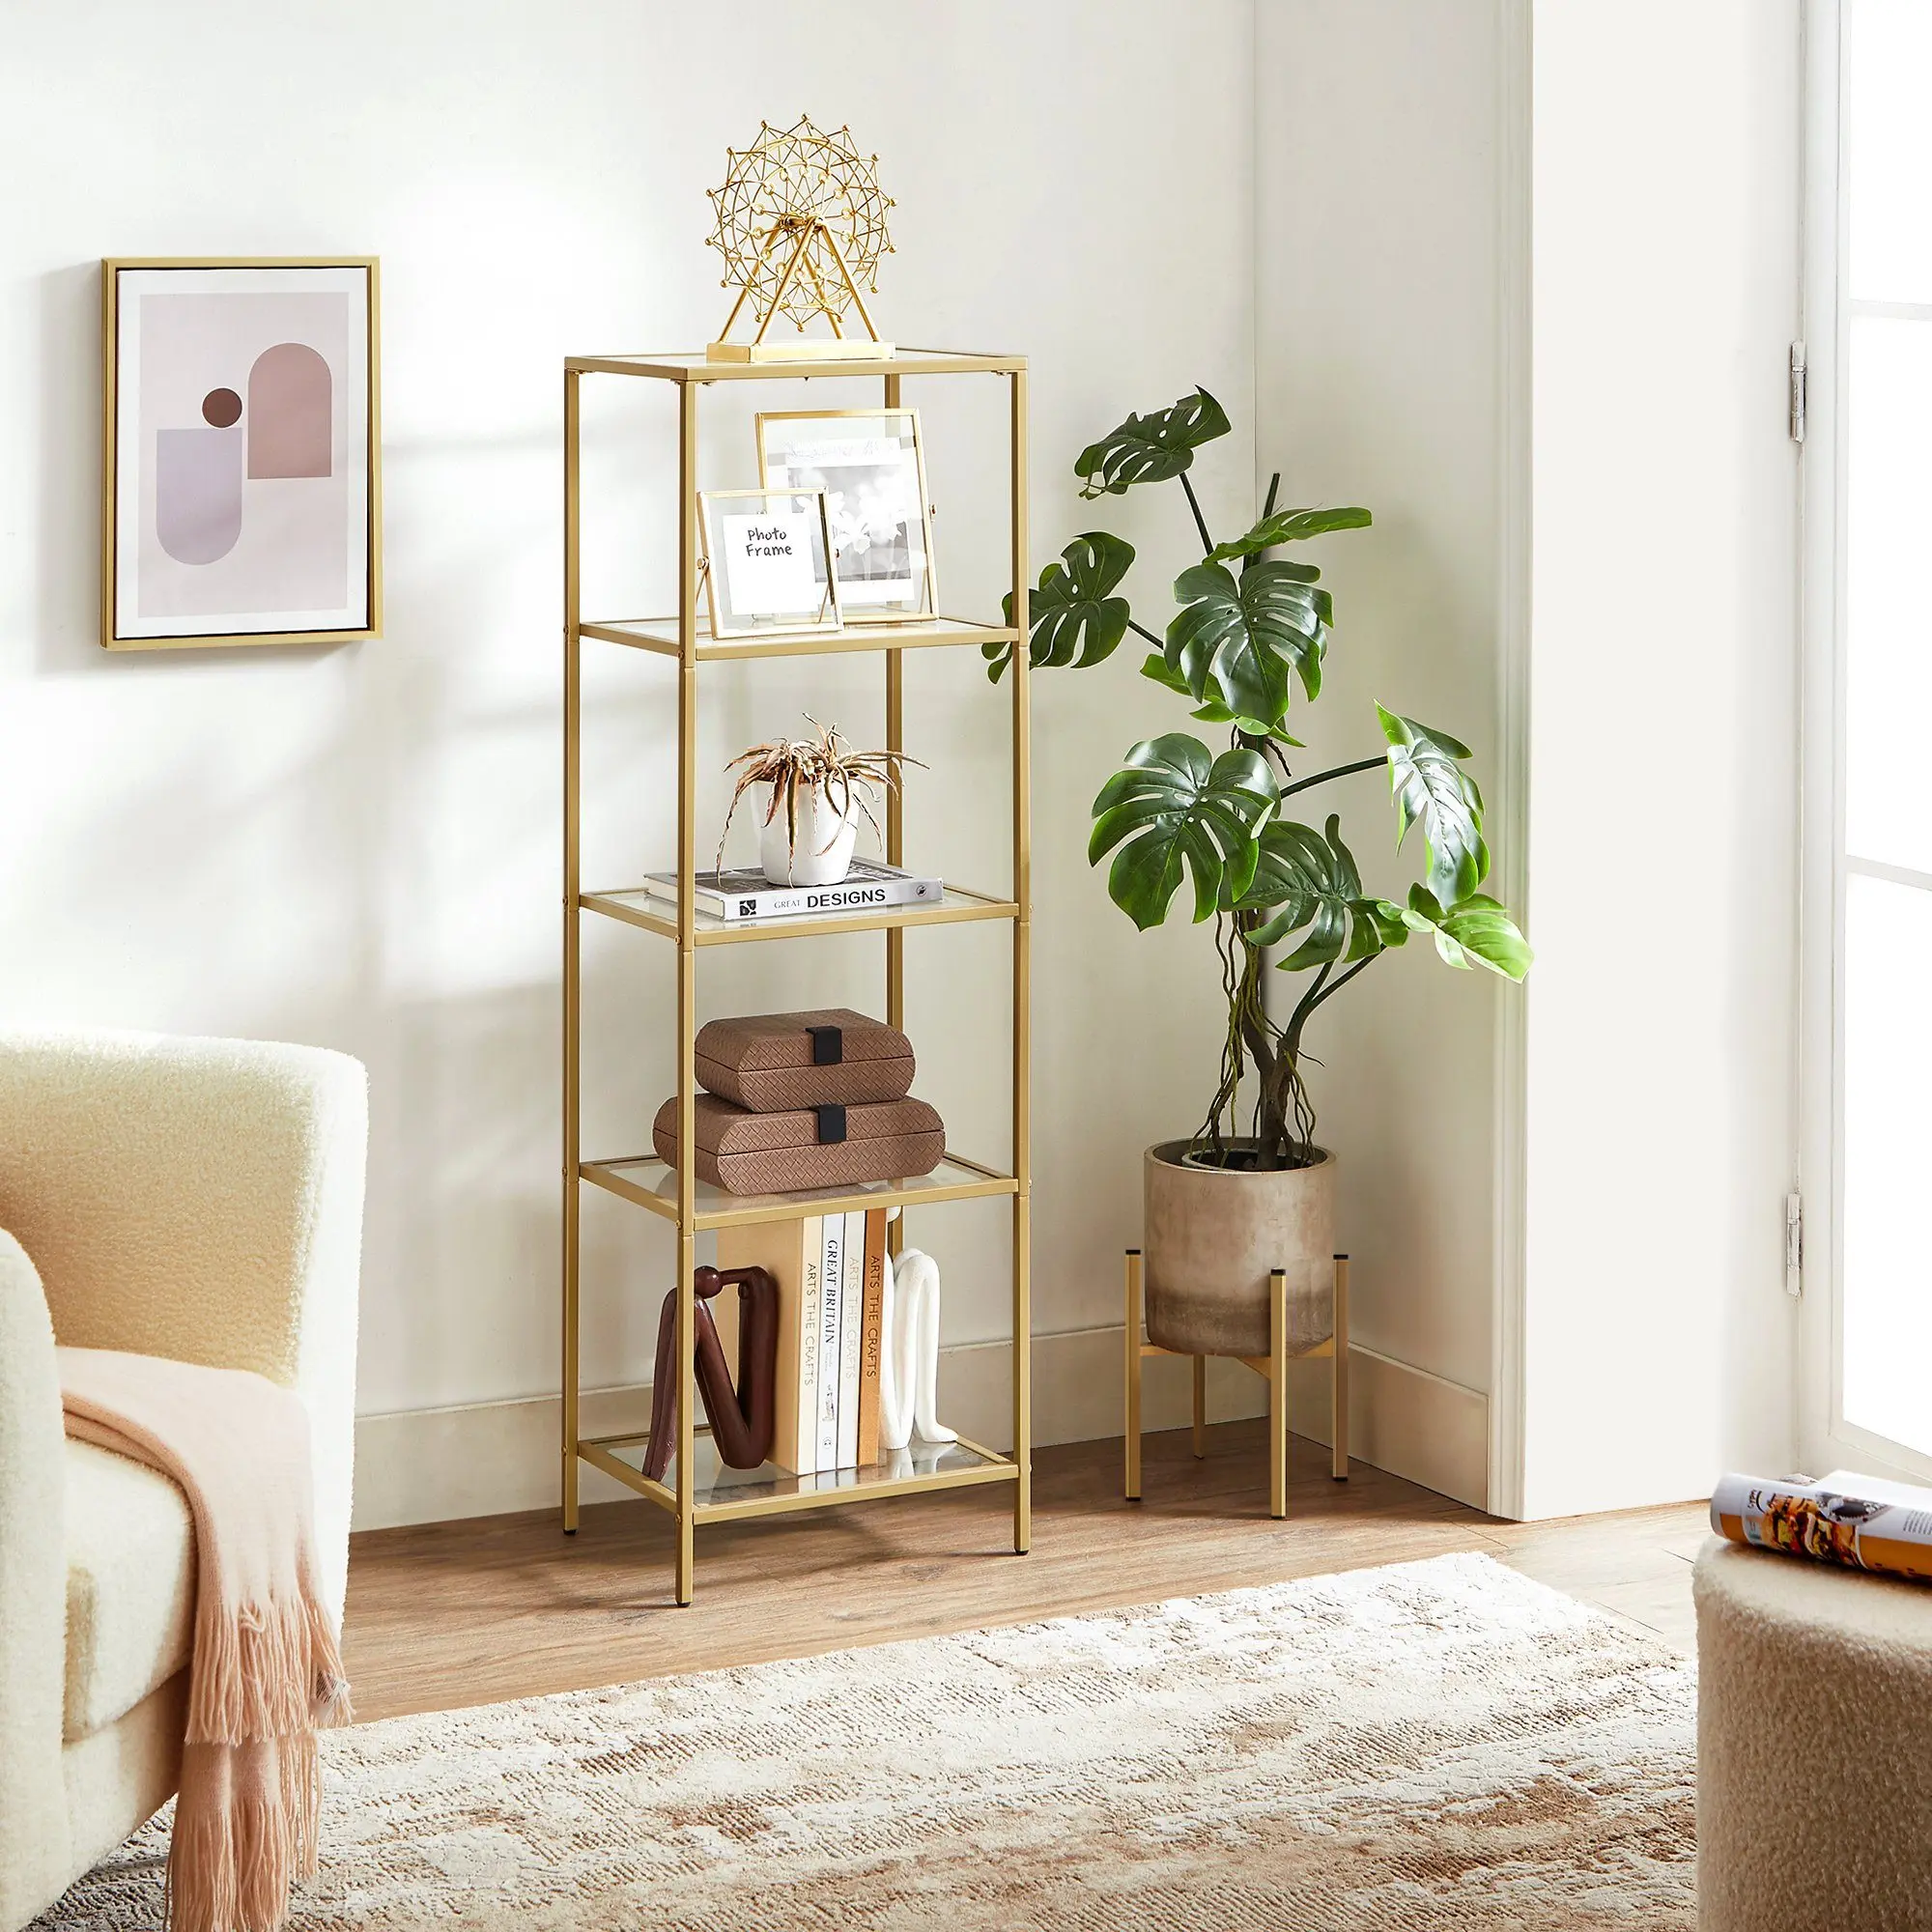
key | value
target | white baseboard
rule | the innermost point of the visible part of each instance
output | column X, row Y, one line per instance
column 486, row 1458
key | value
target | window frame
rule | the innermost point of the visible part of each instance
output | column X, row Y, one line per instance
column 1826, row 1438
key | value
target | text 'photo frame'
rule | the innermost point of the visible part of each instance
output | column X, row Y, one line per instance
column 767, row 562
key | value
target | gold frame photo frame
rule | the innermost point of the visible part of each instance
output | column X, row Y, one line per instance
column 855, row 584
column 726, row 622
column 242, row 439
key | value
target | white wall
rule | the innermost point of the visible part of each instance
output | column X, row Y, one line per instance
column 1656, row 1333
column 359, row 847
column 1377, row 319
column 1533, row 309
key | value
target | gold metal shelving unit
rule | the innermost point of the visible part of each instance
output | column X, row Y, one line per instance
column 699, row 1489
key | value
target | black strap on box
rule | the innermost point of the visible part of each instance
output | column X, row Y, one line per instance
column 828, row 1047
column 831, row 1123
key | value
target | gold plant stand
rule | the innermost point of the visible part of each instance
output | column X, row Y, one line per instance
column 696, row 1489
column 1272, row 1368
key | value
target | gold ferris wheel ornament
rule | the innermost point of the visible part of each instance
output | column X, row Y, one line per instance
column 801, row 224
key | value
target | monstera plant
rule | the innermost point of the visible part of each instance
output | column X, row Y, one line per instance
column 1251, row 626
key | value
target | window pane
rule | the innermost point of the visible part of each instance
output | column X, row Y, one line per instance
column 1887, row 1260
column 1887, row 598
column 1890, row 150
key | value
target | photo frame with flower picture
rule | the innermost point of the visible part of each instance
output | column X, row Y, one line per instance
column 871, row 466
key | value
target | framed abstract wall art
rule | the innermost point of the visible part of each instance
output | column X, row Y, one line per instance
column 241, row 474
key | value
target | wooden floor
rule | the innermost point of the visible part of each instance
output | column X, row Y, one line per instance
column 506, row 1606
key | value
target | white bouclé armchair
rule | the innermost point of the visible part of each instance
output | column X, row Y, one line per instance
column 198, row 1199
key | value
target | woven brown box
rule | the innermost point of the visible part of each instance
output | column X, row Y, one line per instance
column 744, row 1153
column 774, row 1062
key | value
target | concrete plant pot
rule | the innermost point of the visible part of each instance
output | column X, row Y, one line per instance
column 1212, row 1236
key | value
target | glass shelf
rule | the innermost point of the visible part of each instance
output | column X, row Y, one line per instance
column 652, row 913
column 692, row 365
column 650, row 1184
column 720, row 1492
column 660, row 634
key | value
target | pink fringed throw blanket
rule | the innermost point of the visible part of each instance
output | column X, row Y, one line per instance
column 266, row 1672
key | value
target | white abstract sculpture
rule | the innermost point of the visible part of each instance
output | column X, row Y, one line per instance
column 909, row 1366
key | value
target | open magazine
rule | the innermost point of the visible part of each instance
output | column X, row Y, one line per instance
column 1859, row 1521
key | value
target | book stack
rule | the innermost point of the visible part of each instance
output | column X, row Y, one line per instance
column 831, row 1277
column 869, row 886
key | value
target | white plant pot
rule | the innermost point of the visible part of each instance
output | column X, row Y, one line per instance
column 822, row 852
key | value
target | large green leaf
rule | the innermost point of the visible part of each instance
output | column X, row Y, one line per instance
column 1290, row 527
column 1237, row 639
column 1214, row 712
column 1431, row 788
column 1475, row 931
column 1074, row 618
column 1150, row 449
column 1177, row 807
column 1308, row 879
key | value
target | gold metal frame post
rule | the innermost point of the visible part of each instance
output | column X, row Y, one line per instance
column 894, row 802
column 573, row 752
column 1272, row 1368
column 687, row 976
column 1022, row 760
column 1338, row 1374
column 1136, row 1352
column 1277, row 1393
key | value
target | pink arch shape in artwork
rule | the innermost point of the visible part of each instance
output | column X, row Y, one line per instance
column 291, row 412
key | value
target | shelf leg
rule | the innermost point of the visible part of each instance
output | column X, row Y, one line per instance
column 687, row 1405
column 1022, row 1378
column 894, row 854
column 1340, row 1369
column 1133, row 1373
column 572, row 708
column 1200, row 1406
column 1022, row 760
column 1277, row 1394
column 687, row 977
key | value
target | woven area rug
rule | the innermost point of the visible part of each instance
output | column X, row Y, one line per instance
column 1435, row 1745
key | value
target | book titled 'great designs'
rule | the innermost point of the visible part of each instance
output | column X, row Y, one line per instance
column 747, row 893
column 831, row 1277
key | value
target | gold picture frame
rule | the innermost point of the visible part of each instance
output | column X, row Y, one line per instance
column 213, row 475
column 859, row 588
column 727, row 620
